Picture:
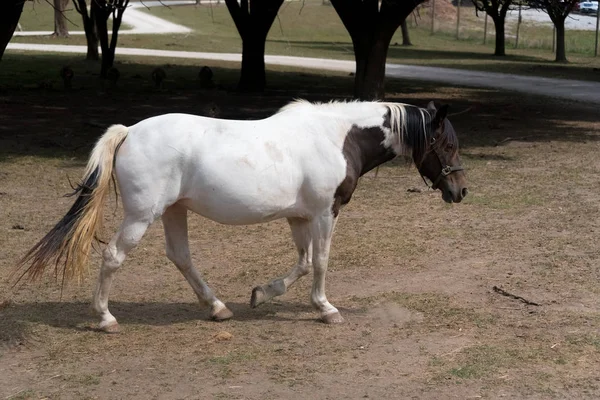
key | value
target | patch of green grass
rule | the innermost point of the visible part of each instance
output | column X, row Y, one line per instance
column 560, row 361
column 225, row 364
column 38, row 15
column 467, row 372
column 580, row 341
column 84, row 379
column 532, row 35
column 500, row 201
column 495, row 358
column 24, row 395
column 484, row 360
column 436, row 361
column 231, row 358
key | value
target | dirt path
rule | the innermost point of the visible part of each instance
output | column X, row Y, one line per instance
column 413, row 276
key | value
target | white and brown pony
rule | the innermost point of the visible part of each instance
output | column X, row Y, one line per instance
column 302, row 163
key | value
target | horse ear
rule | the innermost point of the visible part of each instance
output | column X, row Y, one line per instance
column 441, row 114
column 431, row 107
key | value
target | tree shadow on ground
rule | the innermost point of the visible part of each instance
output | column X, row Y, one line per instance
column 44, row 119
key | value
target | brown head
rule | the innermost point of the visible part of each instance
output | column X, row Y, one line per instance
column 440, row 161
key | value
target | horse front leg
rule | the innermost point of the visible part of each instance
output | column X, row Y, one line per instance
column 302, row 238
column 321, row 230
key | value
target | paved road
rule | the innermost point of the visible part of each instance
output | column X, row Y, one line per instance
column 560, row 88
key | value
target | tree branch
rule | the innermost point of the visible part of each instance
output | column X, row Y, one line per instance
column 348, row 11
column 239, row 17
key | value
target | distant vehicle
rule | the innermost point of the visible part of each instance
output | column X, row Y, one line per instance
column 588, row 7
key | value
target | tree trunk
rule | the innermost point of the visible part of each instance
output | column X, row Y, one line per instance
column 89, row 26
column 100, row 15
column 253, row 75
column 561, row 53
column 370, row 55
column 117, row 18
column 371, row 25
column 405, row 34
column 91, row 37
column 9, row 18
column 60, row 22
column 500, row 38
column 101, row 11
column 253, row 20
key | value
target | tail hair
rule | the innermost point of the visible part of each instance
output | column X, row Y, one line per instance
column 68, row 244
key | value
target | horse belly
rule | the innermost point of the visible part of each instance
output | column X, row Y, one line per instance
column 245, row 199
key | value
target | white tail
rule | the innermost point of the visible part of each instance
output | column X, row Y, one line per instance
column 68, row 243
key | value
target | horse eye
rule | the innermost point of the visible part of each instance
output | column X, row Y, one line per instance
column 449, row 147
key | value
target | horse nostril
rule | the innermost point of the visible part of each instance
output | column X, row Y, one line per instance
column 464, row 192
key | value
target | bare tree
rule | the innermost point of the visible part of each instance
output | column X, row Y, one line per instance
column 101, row 10
column 497, row 10
column 90, row 29
column 371, row 25
column 60, row 20
column 253, row 20
column 558, row 11
column 9, row 19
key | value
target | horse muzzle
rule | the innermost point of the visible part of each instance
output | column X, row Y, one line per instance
column 454, row 196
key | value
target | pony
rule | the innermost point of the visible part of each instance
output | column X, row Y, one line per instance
column 303, row 163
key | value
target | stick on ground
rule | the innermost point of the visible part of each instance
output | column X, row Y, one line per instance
column 514, row 296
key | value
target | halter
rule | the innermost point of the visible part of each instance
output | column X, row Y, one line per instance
column 446, row 169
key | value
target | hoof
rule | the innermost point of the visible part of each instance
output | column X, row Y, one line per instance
column 112, row 327
column 333, row 318
column 258, row 297
column 222, row 315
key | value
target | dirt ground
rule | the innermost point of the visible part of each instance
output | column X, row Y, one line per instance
column 412, row 276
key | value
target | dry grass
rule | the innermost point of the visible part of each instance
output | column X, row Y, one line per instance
column 412, row 275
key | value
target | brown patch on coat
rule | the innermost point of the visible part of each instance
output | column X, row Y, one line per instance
column 363, row 151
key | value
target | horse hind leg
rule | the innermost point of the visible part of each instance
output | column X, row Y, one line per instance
column 302, row 238
column 178, row 251
column 126, row 238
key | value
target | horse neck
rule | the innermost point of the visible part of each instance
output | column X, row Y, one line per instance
column 363, row 149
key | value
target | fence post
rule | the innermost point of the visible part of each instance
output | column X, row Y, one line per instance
column 432, row 16
column 553, row 37
column 518, row 28
column 457, row 19
column 597, row 24
column 485, row 29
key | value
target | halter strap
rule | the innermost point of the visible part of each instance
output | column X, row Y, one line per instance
column 446, row 169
